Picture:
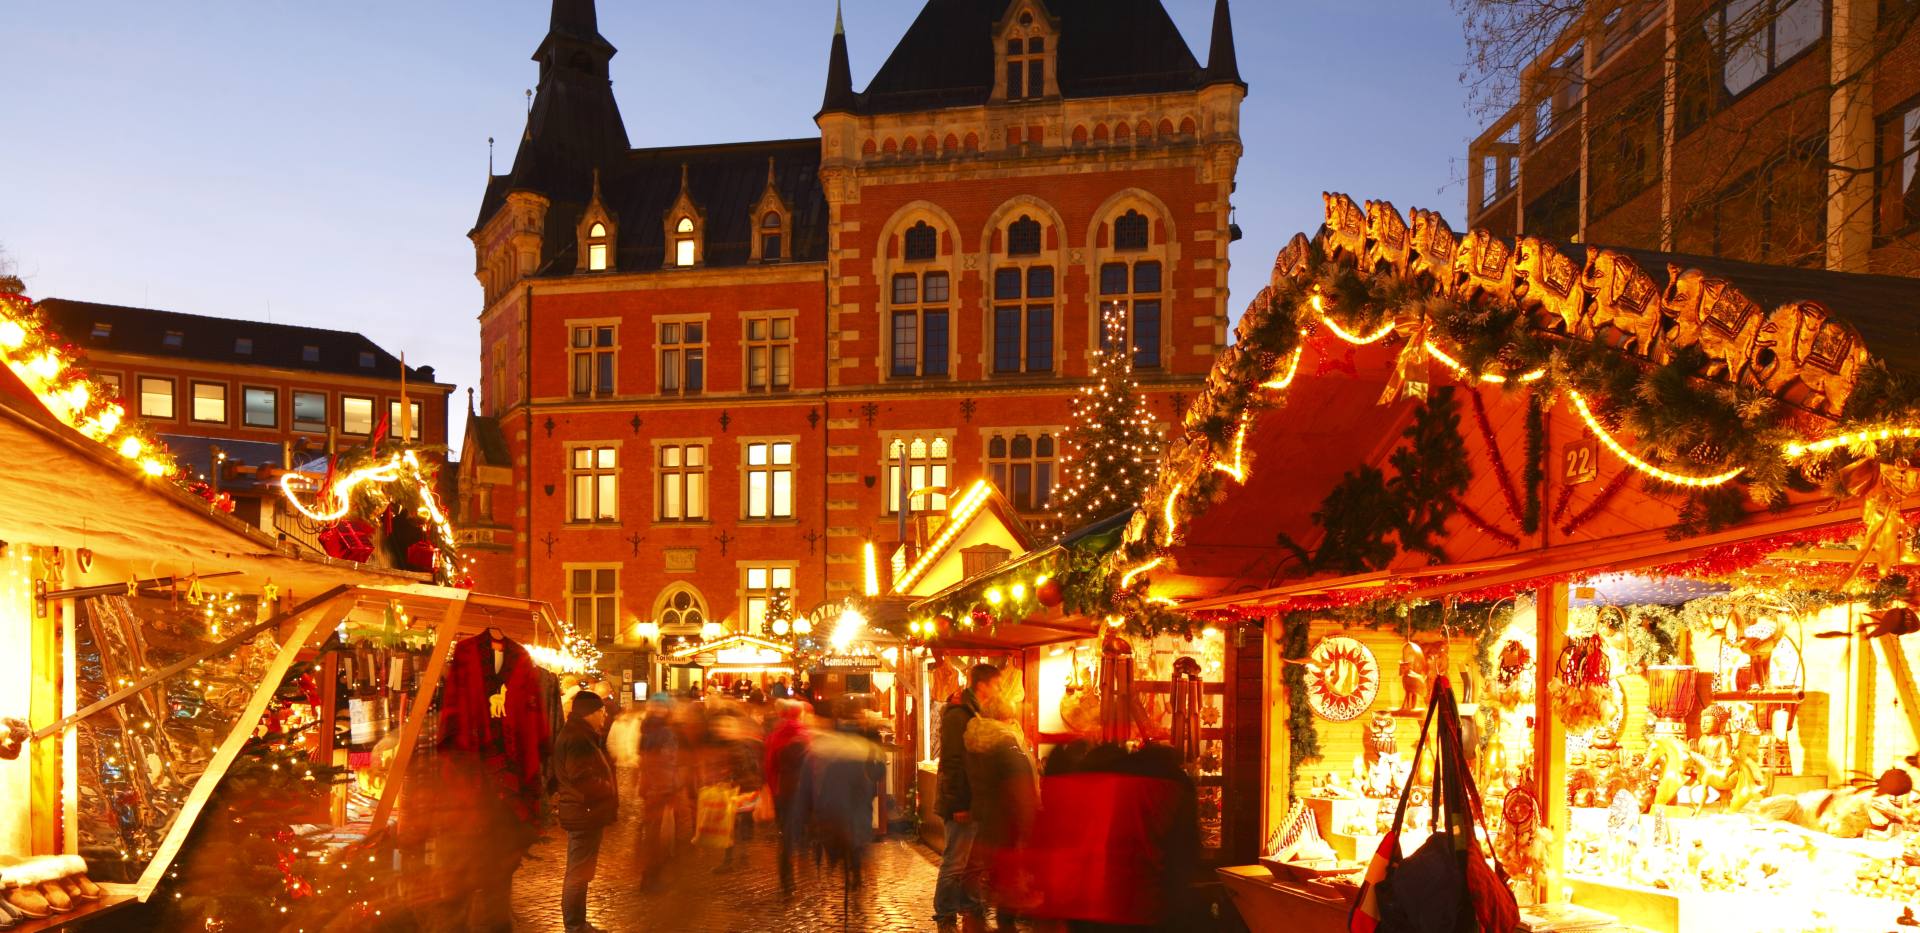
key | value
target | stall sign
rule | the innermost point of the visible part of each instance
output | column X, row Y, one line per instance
column 850, row 664
column 749, row 656
column 1580, row 461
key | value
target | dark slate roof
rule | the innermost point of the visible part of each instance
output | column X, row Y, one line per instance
column 1107, row 47
column 725, row 181
column 487, row 441
column 212, row 339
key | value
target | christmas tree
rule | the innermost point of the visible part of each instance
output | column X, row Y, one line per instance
column 1113, row 441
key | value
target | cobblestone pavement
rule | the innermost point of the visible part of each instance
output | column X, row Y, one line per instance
column 898, row 895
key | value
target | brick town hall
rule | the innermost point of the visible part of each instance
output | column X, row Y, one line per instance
column 704, row 367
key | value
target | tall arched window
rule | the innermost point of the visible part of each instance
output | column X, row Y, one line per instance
column 1130, row 232
column 597, row 248
column 1023, row 296
column 683, row 245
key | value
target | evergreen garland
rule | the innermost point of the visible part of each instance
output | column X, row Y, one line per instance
column 1303, row 738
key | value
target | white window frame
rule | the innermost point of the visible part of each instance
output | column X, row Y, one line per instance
column 603, row 482
column 597, row 629
column 761, row 474
column 769, row 344
column 662, row 473
column 926, row 470
column 754, row 600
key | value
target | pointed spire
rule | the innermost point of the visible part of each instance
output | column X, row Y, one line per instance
column 840, row 97
column 1223, row 64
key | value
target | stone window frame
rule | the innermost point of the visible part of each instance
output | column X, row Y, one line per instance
column 791, row 468
column 1027, row 23
column 595, row 471
column 661, row 474
column 568, row 594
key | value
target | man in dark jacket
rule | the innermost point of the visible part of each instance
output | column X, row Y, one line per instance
column 953, row 894
column 587, row 801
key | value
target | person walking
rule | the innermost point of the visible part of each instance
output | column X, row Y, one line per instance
column 839, row 785
column 741, row 754
column 586, row 802
column 786, row 754
column 665, row 814
column 1005, row 799
column 953, row 896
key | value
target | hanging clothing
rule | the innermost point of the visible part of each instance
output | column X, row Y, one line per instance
column 491, row 706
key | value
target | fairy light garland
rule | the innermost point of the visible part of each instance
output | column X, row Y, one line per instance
column 1237, row 469
column 1172, row 522
column 61, row 381
column 963, row 512
column 1353, row 338
column 1620, row 450
column 1495, row 378
column 1794, row 450
column 1126, row 579
column 1293, row 369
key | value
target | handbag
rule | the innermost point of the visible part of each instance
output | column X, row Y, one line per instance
column 713, row 817
column 1445, row 886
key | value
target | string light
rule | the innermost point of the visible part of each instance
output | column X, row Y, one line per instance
column 1794, row 450
column 1496, row 378
column 59, row 379
column 1238, row 469
column 873, row 570
column 962, row 513
column 1293, row 369
column 1173, row 499
column 1126, row 579
column 1619, row 450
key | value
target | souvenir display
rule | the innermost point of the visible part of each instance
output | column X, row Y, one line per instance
column 1342, row 678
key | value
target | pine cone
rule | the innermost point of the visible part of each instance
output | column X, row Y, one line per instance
column 1817, row 470
column 1708, row 452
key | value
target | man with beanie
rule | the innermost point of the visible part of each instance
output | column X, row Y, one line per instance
column 587, row 801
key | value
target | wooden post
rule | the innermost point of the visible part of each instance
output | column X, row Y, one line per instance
column 1902, row 682
column 1278, row 750
column 1550, row 737
column 444, row 634
column 46, row 769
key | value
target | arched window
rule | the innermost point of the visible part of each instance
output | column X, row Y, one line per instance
column 1130, row 231
column 682, row 608
column 929, row 466
column 1022, row 466
column 597, row 247
column 771, row 242
column 683, row 245
column 922, row 243
column 1023, row 237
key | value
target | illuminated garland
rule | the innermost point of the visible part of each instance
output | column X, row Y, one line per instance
column 366, row 491
column 58, row 376
column 1619, row 450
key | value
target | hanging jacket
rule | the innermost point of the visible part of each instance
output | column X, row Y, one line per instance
column 516, row 742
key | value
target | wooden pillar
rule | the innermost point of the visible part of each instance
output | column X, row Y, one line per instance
column 421, row 708
column 48, row 666
column 1278, row 753
column 1550, row 737
column 1243, row 746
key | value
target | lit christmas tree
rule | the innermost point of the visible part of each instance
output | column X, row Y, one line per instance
column 1113, row 441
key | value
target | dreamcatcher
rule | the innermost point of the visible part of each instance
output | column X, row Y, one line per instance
column 1582, row 687
column 1080, row 705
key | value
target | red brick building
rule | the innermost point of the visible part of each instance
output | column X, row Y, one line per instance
column 251, row 392
column 703, row 366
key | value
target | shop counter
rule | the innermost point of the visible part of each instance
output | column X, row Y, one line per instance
column 1273, row 905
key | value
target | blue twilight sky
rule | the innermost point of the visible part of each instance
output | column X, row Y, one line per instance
column 321, row 162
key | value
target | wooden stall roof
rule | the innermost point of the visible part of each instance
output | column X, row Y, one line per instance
column 61, row 487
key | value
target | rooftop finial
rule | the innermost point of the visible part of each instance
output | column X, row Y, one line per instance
column 839, row 20
column 839, row 97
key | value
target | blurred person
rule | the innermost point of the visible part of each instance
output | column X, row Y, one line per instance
column 586, row 803
column 786, row 754
column 741, row 753
column 839, row 783
column 954, row 893
column 666, row 813
column 1116, row 844
column 1005, row 797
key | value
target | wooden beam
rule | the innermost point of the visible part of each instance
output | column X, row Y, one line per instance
column 1903, row 682
column 1550, row 737
column 445, row 633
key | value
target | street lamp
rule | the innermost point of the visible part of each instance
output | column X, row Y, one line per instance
column 847, row 628
column 646, row 632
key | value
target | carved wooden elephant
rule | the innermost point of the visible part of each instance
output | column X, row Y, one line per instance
column 1259, row 312
column 1716, row 317
column 1551, row 281
column 1291, row 261
column 1483, row 266
column 1346, row 228
column 1432, row 249
column 1388, row 240
column 1803, row 341
column 1624, row 297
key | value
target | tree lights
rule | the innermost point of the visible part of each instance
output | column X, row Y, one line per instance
column 1113, row 435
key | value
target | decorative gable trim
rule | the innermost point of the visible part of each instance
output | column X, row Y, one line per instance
column 695, row 230
column 605, row 258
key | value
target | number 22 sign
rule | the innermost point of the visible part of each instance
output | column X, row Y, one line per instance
column 1580, row 461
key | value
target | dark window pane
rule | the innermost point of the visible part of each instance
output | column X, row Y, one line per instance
column 1146, row 277
column 583, row 581
column 1146, row 334
column 1006, row 283
column 605, row 582
column 1036, row 77
column 694, row 331
column 1130, row 232
column 936, row 343
column 1014, row 73
column 997, row 447
column 935, row 288
column 1006, row 340
column 906, row 341
column 1036, row 45
column 1039, row 341
column 998, row 473
column 922, row 242
column 1022, row 446
column 1040, row 282
column 1042, row 484
column 1013, row 46
column 1023, row 237
column 1023, row 486
column 605, row 386
column 696, row 370
column 1044, row 447
column 770, row 246
column 1113, row 278
column 906, row 289
column 604, row 338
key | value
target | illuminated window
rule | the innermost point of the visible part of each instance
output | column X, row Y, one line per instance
column 156, row 397
column 597, row 247
column 1136, row 289
column 591, row 349
column 919, row 323
column 593, row 593
column 683, row 242
column 210, row 402
column 683, row 357
column 682, row 609
column 259, row 407
column 593, row 478
column 759, row 584
column 769, row 479
column 310, row 412
column 393, row 419
column 928, row 463
column 1023, row 319
column 356, row 415
column 1022, row 467
column 772, row 243
column 769, row 347
column 682, row 475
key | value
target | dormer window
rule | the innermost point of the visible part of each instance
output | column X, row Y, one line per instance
column 102, row 330
column 1026, row 50
column 597, row 248
column 771, row 239
column 684, row 249
column 173, row 340
column 243, row 346
column 366, row 359
column 309, row 354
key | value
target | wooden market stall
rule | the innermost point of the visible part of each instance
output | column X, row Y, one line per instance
column 1650, row 515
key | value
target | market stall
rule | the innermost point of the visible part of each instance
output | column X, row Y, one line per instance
column 1654, row 529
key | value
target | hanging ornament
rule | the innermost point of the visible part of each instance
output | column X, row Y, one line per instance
column 1343, row 677
column 1409, row 378
column 348, row 539
column 1582, row 688
column 981, row 616
column 1050, row 593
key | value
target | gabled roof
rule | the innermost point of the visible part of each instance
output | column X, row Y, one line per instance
column 980, row 499
column 1107, row 48
column 486, row 443
column 215, row 339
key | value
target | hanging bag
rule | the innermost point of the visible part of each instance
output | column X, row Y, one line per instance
column 1445, row 886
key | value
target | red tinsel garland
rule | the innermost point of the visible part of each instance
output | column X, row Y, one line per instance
column 1507, row 491
column 1599, row 503
column 1560, row 507
column 1476, row 520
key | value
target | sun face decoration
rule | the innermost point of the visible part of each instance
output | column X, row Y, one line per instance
column 1343, row 677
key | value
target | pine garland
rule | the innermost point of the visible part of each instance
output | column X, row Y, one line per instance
column 1303, row 738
